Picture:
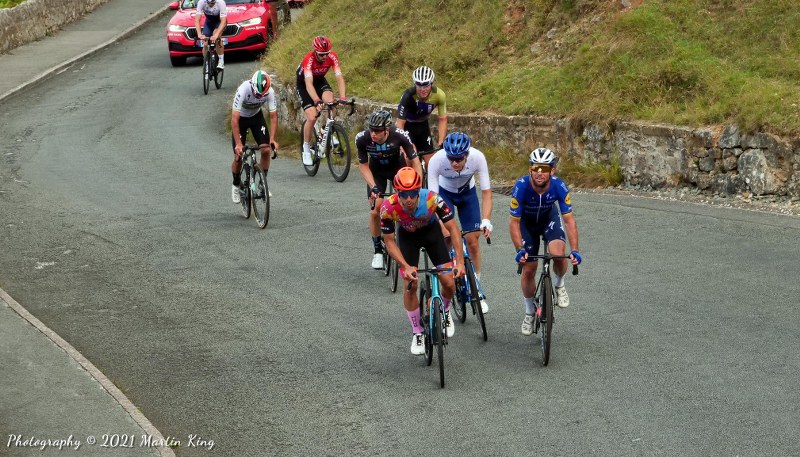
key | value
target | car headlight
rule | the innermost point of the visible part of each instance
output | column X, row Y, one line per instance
column 253, row 21
column 176, row 28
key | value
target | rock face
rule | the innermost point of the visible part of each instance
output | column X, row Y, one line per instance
column 719, row 159
column 34, row 19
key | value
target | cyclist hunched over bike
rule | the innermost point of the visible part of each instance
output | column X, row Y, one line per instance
column 451, row 174
column 246, row 115
column 382, row 151
column 535, row 204
column 418, row 211
column 313, row 89
column 416, row 105
column 216, row 14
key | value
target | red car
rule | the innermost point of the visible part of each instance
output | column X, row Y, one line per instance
column 252, row 25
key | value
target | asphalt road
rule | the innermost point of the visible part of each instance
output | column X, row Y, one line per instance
column 117, row 231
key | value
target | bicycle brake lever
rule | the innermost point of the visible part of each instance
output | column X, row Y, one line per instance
column 574, row 270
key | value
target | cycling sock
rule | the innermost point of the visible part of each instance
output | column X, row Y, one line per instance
column 306, row 148
column 558, row 281
column 530, row 305
column 413, row 317
column 376, row 243
column 236, row 179
column 222, row 59
column 478, row 275
column 446, row 302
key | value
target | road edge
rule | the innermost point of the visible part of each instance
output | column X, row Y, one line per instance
column 96, row 374
column 63, row 66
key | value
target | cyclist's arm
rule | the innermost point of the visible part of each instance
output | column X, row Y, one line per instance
column 572, row 230
column 457, row 243
column 340, row 83
column 197, row 27
column 394, row 250
column 310, row 88
column 273, row 126
column 218, row 33
column 486, row 203
column 235, row 117
column 415, row 164
column 433, row 173
column 442, row 129
column 516, row 233
column 400, row 124
column 442, row 113
column 485, row 183
column 366, row 173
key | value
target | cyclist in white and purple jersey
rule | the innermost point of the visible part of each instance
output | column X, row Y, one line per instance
column 451, row 174
column 216, row 14
column 246, row 115
column 535, row 204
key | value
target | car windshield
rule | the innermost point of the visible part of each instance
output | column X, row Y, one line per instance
column 189, row 4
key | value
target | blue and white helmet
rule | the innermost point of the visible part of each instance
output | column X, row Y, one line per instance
column 543, row 156
column 456, row 145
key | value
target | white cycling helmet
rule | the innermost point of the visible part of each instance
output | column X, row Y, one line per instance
column 544, row 156
column 260, row 83
column 423, row 76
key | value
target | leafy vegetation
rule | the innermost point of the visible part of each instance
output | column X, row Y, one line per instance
column 684, row 62
column 10, row 3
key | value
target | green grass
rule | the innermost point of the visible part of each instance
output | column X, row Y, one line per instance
column 10, row 3
column 683, row 62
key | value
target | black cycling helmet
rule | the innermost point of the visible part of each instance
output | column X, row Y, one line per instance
column 380, row 119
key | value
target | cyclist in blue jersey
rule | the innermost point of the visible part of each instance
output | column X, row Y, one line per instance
column 535, row 204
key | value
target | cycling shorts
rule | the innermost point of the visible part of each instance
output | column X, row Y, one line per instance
column 212, row 23
column 469, row 209
column 383, row 175
column 420, row 134
column 256, row 125
column 429, row 237
column 552, row 229
column 320, row 85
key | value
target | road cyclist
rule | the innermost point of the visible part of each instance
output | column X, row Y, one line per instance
column 382, row 151
column 313, row 89
column 418, row 211
column 451, row 174
column 415, row 107
column 246, row 115
column 541, row 206
column 216, row 15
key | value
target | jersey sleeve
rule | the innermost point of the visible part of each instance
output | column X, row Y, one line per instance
column 442, row 210
column 564, row 198
column 387, row 216
column 337, row 68
column 517, row 196
column 442, row 103
column 272, row 101
column 238, row 99
column 223, row 8
column 483, row 171
column 361, row 146
column 405, row 143
column 406, row 102
column 201, row 4
column 433, row 171
column 306, row 65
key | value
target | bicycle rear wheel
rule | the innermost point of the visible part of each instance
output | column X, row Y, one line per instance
column 475, row 296
column 459, row 303
column 244, row 193
column 547, row 319
column 260, row 197
column 387, row 260
column 206, row 71
column 338, row 152
column 438, row 335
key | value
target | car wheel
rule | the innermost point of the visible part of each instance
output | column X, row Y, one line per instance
column 177, row 61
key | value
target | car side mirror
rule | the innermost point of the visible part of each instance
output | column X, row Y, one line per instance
column 174, row 5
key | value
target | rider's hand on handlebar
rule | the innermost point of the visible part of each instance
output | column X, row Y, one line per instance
column 522, row 256
column 576, row 257
column 486, row 226
column 273, row 145
column 410, row 273
column 458, row 270
column 375, row 192
column 318, row 104
column 238, row 151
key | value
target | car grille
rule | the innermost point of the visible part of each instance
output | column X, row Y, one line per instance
column 230, row 30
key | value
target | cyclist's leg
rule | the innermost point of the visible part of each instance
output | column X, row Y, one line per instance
column 420, row 134
column 556, row 245
column 308, row 109
column 236, row 164
column 381, row 179
column 260, row 132
column 448, row 199
column 530, row 239
column 409, row 246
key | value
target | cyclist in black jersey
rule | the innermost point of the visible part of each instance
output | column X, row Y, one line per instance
column 379, row 156
column 415, row 108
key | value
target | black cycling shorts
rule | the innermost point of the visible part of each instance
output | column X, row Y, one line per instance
column 420, row 134
column 430, row 238
column 320, row 85
column 256, row 125
column 384, row 175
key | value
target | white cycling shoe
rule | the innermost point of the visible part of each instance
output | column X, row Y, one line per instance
column 563, row 298
column 484, row 306
column 417, row 344
column 307, row 160
column 377, row 261
column 527, row 325
column 451, row 329
column 235, row 195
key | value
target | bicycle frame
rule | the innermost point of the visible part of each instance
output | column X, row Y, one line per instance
column 325, row 132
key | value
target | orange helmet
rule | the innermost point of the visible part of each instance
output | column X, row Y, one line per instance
column 407, row 178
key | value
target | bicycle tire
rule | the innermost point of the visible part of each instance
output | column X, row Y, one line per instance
column 426, row 326
column 459, row 303
column 547, row 314
column 439, row 336
column 394, row 277
column 206, row 71
column 338, row 152
column 475, row 296
column 218, row 75
column 311, row 170
column 387, row 260
column 260, row 197
column 245, row 193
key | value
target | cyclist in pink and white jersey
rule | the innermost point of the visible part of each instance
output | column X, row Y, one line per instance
column 313, row 89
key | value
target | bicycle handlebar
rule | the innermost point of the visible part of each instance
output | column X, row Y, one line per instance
column 430, row 270
column 382, row 195
column 255, row 147
column 351, row 103
column 464, row 232
column 533, row 258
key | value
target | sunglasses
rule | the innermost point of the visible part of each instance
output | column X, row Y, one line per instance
column 377, row 130
column 457, row 159
column 422, row 84
column 322, row 55
column 540, row 168
column 408, row 193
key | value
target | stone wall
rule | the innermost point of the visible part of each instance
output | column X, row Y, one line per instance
column 720, row 160
column 35, row 19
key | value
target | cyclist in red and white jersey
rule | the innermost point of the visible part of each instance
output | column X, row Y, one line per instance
column 216, row 13
column 313, row 89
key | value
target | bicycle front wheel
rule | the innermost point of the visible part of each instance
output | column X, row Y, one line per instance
column 424, row 319
column 438, row 335
column 475, row 296
column 338, row 152
column 218, row 75
column 459, row 303
column 260, row 197
column 244, row 193
column 394, row 277
column 547, row 318
column 206, row 72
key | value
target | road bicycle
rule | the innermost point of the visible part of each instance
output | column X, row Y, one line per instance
column 545, row 297
column 210, row 70
column 390, row 266
column 468, row 289
column 254, row 191
column 432, row 316
column 331, row 141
